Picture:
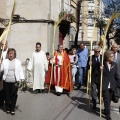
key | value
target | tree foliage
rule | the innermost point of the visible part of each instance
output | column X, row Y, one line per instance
column 111, row 7
column 101, row 24
column 117, row 36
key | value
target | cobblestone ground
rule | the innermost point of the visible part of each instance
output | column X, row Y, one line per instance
column 51, row 107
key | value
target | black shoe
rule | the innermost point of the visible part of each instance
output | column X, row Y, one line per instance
column 8, row 112
column 108, row 117
column 1, row 106
column 12, row 112
column 79, row 86
column 94, row 103
column 104, row 112
column 36, row 92
column 43, row 91
column 58, row 94
column 94, row 107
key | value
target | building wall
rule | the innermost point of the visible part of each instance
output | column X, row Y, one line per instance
column 31, row 33
column 23, row 36
column 2, row 10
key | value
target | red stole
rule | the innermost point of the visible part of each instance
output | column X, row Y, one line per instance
column 56, row 70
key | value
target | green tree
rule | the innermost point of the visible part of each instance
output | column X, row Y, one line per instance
column 111, row 7
column 101, row 24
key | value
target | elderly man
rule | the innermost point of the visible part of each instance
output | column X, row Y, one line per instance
column 62, row 75
column 95, row 76
column 62, row 71
column 117, row 61
column 116, row 56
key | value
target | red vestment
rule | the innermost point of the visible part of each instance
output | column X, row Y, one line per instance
column 65, row 73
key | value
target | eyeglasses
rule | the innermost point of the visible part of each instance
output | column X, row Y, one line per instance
column 97, row 51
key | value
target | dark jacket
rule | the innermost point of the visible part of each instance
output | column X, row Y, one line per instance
column 118, row 62
column 95, row 74
column 110, row 76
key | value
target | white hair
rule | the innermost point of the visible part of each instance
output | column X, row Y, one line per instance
column 97, row 47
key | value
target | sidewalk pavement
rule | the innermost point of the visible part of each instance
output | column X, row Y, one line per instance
column 115, row 107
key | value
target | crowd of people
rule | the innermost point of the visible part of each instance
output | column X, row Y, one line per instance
column 62, row 70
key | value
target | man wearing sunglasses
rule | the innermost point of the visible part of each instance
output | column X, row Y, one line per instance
column 95, row 76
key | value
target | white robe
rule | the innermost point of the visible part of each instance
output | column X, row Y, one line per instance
column 38, row 65
column 60, row 60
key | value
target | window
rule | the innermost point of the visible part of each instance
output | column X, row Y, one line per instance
column 90, row 2
column 91, row 12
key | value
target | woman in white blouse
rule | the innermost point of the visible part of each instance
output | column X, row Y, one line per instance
column 73, row 60
column 13, row 73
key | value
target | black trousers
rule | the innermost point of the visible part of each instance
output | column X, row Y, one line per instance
column 95, row 93
column 10, row 96
column 2, row 97
column 107, row 97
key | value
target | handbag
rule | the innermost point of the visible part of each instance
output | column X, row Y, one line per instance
column 116, row 95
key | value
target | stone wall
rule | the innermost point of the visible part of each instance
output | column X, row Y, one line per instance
column 2, row 10
column 23, row 36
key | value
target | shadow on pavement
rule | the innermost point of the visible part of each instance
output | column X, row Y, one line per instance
column 17, row 108
column 30, row 90
column 83, row 104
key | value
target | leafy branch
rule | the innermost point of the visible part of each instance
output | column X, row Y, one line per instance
column 22, row 85
column 69, row 17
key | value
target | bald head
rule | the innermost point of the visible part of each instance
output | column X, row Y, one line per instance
column 5, row 46
column 6, row 42
column 115, row 48
column 60, row 48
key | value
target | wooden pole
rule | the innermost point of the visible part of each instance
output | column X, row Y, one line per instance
column 91, row 43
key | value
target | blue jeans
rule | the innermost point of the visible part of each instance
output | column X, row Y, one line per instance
column 82, row 75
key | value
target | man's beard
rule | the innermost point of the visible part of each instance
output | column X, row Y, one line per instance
column 37, row 50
